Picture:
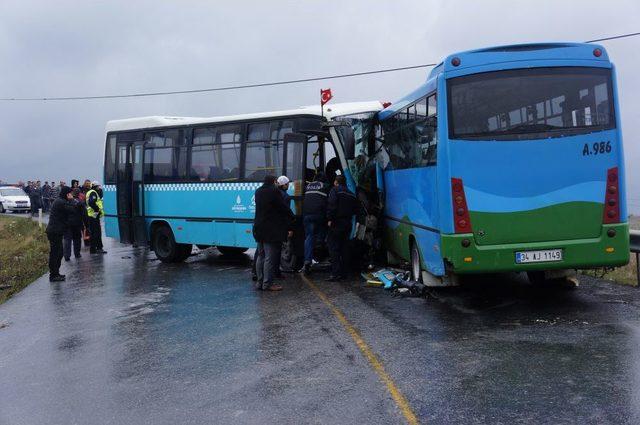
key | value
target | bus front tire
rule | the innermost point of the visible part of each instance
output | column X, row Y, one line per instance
column 416, row 268
column 231, row 250
column 166, row 248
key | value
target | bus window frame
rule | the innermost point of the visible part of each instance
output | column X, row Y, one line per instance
column 540, row 135
column 399, row 126
column 134, row 135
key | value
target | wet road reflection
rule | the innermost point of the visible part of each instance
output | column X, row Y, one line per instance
column 127, row 339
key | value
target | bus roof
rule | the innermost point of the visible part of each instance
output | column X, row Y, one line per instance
column 330, row 111
column 526, row 54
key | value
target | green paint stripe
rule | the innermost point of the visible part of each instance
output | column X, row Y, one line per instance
column 571, row 220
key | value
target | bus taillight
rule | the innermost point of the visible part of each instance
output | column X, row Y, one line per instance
column 461, row 219
column 612, row 198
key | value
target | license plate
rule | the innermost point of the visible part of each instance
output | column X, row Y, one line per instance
column 541, row 256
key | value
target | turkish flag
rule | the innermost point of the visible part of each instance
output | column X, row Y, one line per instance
column 325, row 96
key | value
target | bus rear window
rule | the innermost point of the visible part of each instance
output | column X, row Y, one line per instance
column 530, row 103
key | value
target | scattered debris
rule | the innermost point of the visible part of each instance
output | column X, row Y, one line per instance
column 398, row 281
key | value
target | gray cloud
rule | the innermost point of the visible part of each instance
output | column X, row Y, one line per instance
column 75, row 48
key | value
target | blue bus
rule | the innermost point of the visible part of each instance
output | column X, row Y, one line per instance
column 506, row 159
column 173, row 182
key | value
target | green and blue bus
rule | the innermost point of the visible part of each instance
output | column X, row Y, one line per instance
column 175, row 182
column 506, row 159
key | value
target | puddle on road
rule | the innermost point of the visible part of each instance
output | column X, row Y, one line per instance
column 142, row 304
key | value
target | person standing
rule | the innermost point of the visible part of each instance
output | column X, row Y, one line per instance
column 58, row 222
column 272, row 225
column 342, row 205
column 46, row 197
column 283, row 186
column 73, row 232
column 94, row 212
column 35, row 197
column 314, row 213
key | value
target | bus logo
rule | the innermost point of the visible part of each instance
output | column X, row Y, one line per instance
column 238, row 207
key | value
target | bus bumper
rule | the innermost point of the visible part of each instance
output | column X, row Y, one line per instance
column 603, row 251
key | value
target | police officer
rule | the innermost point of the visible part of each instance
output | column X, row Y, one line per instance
column 94, row 212
column 314, row 212
column 342, row 205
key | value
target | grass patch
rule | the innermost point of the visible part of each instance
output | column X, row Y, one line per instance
column 24, row 253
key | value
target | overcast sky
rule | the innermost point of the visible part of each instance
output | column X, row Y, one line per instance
column 66, row 48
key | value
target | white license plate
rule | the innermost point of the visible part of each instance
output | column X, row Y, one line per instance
column 538, row 256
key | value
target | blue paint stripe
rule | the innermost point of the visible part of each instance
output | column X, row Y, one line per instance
column 480, row 201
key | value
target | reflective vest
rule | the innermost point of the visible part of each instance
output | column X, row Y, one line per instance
column 90, row 211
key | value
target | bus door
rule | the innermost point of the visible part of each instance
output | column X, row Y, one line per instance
column 130, row 192
column 123, row 191
column 138, row 221
column 295, row 151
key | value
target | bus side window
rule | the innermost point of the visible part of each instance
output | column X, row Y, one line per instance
column 211, row 160
column 263, row 155
column 110, row 161
column 427, row 131
column 165, row 158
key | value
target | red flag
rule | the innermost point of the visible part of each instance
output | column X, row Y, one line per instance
column 325, row 96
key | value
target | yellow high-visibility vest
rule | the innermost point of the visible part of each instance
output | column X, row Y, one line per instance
column 90, row 211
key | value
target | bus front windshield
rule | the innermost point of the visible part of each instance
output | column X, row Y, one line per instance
column 362, row 126
column 530, row 103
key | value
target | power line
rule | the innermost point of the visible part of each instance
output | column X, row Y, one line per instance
column 244, row 86
column 248, row 86
column 615, row 37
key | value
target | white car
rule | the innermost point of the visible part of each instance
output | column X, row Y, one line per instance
column 13, row 199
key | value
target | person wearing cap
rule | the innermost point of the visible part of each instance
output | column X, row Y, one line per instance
column 94, row 212
column 61, row 210
column 271, row 227
column 283, row 186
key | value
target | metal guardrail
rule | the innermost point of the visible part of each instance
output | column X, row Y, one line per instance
column 634, row 242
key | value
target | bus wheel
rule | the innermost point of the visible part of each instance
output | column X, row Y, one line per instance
column 231, row 250
column 416, row 268
column 166, row 248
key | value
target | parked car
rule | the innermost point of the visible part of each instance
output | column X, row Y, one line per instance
column 13, row 199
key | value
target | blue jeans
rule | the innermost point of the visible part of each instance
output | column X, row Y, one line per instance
column 314, row 226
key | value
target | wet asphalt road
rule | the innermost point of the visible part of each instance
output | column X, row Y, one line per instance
column 127, row 339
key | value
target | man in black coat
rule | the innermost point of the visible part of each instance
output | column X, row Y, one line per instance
column 73, row 233
column 342, row 205
column 61, row 210
column 272, row 225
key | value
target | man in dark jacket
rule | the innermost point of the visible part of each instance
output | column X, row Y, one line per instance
column 46, row 197
column 35, row 198
column 61, row 210
column 73, row 233
column 272, row 225
column 314, row 211
column 342, row 205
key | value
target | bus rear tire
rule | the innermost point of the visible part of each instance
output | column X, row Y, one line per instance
column 166, row 248
column 231, row 250
column 416, row 268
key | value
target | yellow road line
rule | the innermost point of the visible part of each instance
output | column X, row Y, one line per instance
column 368, row 353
